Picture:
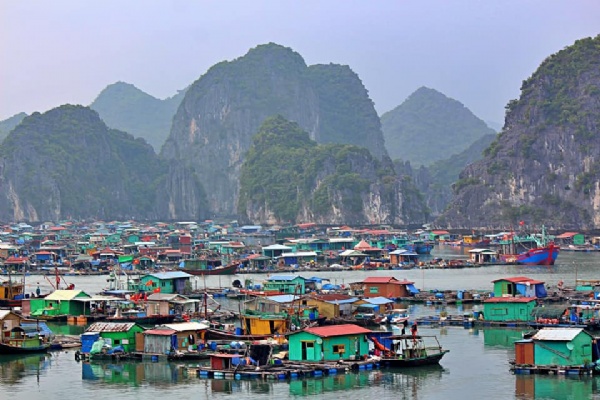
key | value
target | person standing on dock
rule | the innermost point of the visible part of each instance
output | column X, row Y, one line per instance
column 404, row 326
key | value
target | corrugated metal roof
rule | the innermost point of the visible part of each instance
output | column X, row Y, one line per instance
column 337, row 330
column 378, row 300
column 171, row 275
column 284, row 277
column 64, row 294
column 509, row 299
column 160, row 332
column 283, row 298
column 187, row 326
column 110, row 327
column 557, row 334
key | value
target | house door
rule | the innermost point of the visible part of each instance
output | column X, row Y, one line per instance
column 308, row 351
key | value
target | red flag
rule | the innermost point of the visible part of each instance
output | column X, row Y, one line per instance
column 157, row 290
column 521, row 223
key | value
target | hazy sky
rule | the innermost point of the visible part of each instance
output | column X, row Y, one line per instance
column 478, row 52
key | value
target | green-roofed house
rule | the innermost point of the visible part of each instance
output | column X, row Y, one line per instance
column 166, row 282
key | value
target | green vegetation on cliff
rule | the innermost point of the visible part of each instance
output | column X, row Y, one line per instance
column 429, row 127
column 67, row 163
column 284, row 171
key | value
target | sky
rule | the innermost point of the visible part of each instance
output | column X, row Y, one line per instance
column 477, row 52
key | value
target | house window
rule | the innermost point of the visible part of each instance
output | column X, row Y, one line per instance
column 309, row 344
column 339, row 348
column 499, row 311
column 163, row 284
column 116, row 342
column 373, row 289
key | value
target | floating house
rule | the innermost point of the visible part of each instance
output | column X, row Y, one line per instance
column 275, row 250
column 9, row 320
column 505, row 309
column 58, row 305
column 167, row 338
column 519, row 285
column 291, row 284
column 298, row 258
column 403, row 257
column 483, row 256
column 556, row 347
column 329, row 343
column 166, row 282
column 332, row 305
column 125, row 334
column 390, row 287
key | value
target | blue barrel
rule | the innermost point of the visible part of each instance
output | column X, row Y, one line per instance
column 369, row 366
column 332, row 371
column 154, row 358
column 213, row 346
column 318, row 372
column 239, row 331
column 294, row 375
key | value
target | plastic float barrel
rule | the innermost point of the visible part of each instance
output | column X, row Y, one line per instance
column 361, row 367
column 219, row 375
column 203, row 374
column 213, row 346
column 369, row 366
column 154, row 358
column 294, row 375
column 281, row 376
column 318, row 372
column 239, row 331
column 332, row 371
column 238, row 376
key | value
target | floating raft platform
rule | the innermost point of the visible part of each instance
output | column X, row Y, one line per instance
column 552, row 370
column 285, row 370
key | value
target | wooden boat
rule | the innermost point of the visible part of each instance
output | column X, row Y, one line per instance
column 23, row 340
column 409, row 350
column 199, row 266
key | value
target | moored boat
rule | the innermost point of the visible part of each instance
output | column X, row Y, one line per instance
column 409, row 350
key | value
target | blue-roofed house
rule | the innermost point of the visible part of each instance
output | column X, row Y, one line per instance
column 290, row 284
column 166, row 282
column 372, row 305
column 298, row 258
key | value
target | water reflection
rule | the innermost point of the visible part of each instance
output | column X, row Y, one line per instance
column 14, row 368
column 555, row 387
column 502, row 337
column 132, row 373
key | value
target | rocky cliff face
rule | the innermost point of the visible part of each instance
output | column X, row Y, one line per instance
column 66, row 163
column 220, row 113
column 545, row 165
column 288, row 178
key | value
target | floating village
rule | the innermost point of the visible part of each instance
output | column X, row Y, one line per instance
column 292, row 324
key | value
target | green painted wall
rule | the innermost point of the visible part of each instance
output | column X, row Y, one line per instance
column 328, row 349
column 508, row 311
column 557, row 353
column 120, row 336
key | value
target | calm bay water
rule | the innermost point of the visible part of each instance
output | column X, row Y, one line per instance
column 476, row 367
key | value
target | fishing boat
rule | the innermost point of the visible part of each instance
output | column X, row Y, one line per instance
column 409, row 350
column 530, row 250
column 23, row 340
column 202, row 266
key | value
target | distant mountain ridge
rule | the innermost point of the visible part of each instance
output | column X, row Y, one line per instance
column 9, row 124
column 221, row 111
column 429, row 127
column 125, row 107
column 66, row 163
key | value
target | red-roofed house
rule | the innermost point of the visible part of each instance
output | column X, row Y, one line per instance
column 387, row 286
column 329, row 343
